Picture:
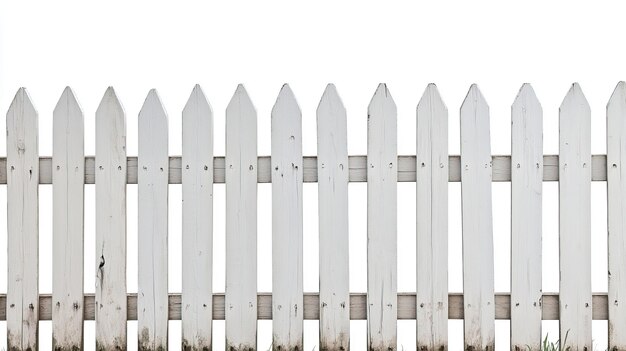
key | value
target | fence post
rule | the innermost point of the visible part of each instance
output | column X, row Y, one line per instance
column 197, row 218
column 241, row 223
column 575, row 220
column 22, row 305
column 287, row 296
column 478, row 280
column 152, row 179
column 111, row 308
column 432, row 222
column 526, row 188
column 382, row 176
column 616, row 193
column 332, row 178
column 68, row 178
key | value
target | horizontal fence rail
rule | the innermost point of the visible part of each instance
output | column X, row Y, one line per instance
column 357, row 169
column 357, row 306
column 241, row 169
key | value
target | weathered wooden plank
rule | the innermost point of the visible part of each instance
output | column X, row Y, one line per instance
column 241, row 223
column 332, row 168
column 152, row 223
column 22, row 223
column 575, row 219
column 68, row 157
column 526, row 190
column 357, row 169
column 287, row 223
column 432, row 222
column 478, row 270
column 616, row 193
column 197, row 217
column 358, row 301
column 382, row 174
column 110, row 179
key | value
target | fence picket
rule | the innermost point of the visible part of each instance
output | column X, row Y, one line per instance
column 332, row 168
column 616, row 193
column 575, row 220
column 526, row 190
column 478, row 270
column 382, row 175
column 68, row 178
column 153, row 162
column 432, row 221
column 197, row 218
column 287, row 295
column 241, row 223
column 22, row 303
column 110, row 174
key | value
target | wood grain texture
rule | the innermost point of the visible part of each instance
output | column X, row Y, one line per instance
column 575, row 219
column 357, row 169
column 332, row 168
column 526, row 195
column 68, row 159
column 358, row 306
column 197, row 217
column 478, row 270
column 382, row 223
column 432, row 222
column 152, row 225
column 110, row 179
column 287, row 223
column 241, row 223
column 22, row 223
column 616, row 194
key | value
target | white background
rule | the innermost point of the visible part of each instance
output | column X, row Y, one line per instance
column 135, row 46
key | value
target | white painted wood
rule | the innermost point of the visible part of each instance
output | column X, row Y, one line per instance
column 432, row 221
column 575, row 220
column 22, row 224
column 332, row 169
column 616, row 186
column 68, row 160
column 478, row 270
column 152, row 220
column 382, row 174
column 287, row 298
column 526, row 190
column 110, row 177
column 241, row 223
column 197, row 192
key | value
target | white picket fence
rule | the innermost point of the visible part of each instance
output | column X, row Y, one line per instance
column 241, row 169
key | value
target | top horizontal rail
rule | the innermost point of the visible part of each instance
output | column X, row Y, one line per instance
column 501, row 166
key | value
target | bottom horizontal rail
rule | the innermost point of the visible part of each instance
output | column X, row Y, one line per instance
column 406, row 306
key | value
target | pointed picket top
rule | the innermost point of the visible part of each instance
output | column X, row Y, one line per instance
column 68, row 107
column 153, row 108
column 382, row 102
column 526, row 97
column 286, row 102
column 474, row 99
column 109, row 103
column 330, row 103
column 21, row 105
column 575, row 100
column 618, row 97
column 197, row 102
column 431, row 99
column 240, row 103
